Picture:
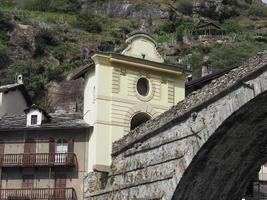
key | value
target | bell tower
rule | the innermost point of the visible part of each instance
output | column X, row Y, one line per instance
column 122, row 91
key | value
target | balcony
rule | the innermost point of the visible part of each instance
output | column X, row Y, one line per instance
column 262, row 176
column 38, row 160
column 38, row 194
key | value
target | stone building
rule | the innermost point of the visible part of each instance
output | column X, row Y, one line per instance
column 14, row 98
column 124, row 90
column 43, row 156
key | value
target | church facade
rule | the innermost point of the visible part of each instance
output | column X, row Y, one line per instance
column 125, row 90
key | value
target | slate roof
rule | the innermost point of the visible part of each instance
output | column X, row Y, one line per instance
column 85, row 69
column 201, row 82
column 35, row 107
column 12, row 87
column 57, row 121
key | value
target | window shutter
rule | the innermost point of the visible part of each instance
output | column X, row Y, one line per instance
column 70, row 158
column 52, row 145
column 2, row 151
column 52, row 150
column 30, row 151
column 71, row 145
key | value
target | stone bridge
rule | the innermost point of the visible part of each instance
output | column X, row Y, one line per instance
column 207, row 147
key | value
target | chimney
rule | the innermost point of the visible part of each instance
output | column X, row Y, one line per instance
column 20, row 79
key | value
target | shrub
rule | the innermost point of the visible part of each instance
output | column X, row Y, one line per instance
column 258, row 10
column 52, row 5
column 5, row 22
column 194, row 60
column 60, row 51
column 25, row 43
column 204, row 48
column 180, row 33
column 39, row 5
column 226, row 12
column 65, row 5
column 184, row 6
column 227, row 55
column 208, row 9
column 4, row 59
column 232, row 26
column 89, row 22
column 31, row 72
column 36, row 75
column 43, row 38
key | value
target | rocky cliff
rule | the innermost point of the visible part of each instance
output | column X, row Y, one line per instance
column 45, row 44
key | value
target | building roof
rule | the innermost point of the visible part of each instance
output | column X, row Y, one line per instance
column 201, row 82
column 16, row 86
column 174, row 68
column 202, row 25
column 57, row 121
column 83, row 71
column 35, row 107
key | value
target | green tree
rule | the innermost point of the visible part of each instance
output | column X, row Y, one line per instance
column 184, row 6
column 258, row 10
column 227, row 55
column 89, row 22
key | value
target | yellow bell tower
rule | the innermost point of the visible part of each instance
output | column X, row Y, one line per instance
column 125, row 90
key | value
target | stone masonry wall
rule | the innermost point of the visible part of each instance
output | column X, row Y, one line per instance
column 149, row 162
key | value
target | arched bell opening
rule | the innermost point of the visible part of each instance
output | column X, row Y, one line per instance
column 139, row 119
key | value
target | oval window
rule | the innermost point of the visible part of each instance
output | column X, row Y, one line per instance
column 143, row 86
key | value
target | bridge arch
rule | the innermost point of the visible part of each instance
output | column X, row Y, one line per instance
column 231, row 157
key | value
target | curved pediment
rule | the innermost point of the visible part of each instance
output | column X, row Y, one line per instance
column 142, row 45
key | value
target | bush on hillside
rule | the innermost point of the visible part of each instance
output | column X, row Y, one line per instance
column 257, row 10
column 194, row 60
column 61, row 51
column 232, row 26
column 5, row 22
column 36, row 75
column 89, row 22
column 227, row 55
column 43, row 38
column 65, row 5
column 226, row 12
column 4, row 59
column 184, row 6
column 180, row 33
column 38, row 5
column 52, row 5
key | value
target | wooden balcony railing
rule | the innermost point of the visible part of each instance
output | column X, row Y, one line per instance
column 38, row 159
column 38, row 194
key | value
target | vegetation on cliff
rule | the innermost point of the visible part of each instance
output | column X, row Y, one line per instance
column 45, row 40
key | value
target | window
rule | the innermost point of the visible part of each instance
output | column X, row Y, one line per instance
column 27, row 181
column 33, row 119
column 143, row 86
column 61, row 150
column 139, row 119
column 62, row 146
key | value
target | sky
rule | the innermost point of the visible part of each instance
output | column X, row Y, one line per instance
column 265, row 1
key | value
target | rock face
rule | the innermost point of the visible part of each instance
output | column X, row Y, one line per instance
column 65, row 96
column 125, row 9
column 157, row 160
